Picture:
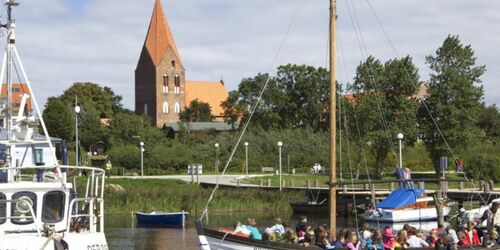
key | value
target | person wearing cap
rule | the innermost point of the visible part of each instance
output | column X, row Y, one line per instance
column 489, row 216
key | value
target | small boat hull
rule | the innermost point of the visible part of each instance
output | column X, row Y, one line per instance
column 304, row 207
column 404, row 215
column 215, row 240
column 161, row 218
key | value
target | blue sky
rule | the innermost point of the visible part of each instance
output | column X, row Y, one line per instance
column 63, row 41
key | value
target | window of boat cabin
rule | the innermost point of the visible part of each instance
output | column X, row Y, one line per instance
column 21, row 210
column 38, row 155
column 53, row 207
column 3, row 208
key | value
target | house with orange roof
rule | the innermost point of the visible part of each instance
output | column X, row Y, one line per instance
column 161, row 88
column 18, row 90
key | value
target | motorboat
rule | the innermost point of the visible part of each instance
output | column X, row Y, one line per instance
column 39, row 207
column 162, row 218
column 406, row 205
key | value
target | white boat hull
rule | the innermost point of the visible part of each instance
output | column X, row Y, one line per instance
column 78, row 241
column 404, row 215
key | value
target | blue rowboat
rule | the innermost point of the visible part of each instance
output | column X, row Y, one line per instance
column 158, row 217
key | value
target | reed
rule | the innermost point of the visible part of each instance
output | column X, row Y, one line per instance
column 176, row 195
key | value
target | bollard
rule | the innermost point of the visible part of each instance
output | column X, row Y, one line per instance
column 492, row 185
column 308, row 184
column 344, row 188
column 461, row 185
column 268, row 182
column 261, row 183
column 486, row 188
column 391, row 186
column 481, row 185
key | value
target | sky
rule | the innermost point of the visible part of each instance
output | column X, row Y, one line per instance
column 65, row 41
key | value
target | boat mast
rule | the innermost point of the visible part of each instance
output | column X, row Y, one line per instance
column 333, row 162
column 11, row 40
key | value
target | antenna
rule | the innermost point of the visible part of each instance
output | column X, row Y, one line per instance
column 9, row 4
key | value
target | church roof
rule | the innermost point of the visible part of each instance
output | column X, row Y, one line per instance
column 159, row 36
column 212, row 93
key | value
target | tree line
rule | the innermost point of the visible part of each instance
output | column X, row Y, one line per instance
column 451, row 120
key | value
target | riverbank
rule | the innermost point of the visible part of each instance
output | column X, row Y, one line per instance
column 177, row 195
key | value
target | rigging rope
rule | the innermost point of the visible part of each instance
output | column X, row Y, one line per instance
column 256, row 105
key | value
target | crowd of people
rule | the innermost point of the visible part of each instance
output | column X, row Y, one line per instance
column 372, row 239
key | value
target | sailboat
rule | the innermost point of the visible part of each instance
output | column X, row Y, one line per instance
column 39, row 208
column 215, row 239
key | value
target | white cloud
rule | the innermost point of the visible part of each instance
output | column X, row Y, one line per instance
column 100, row 41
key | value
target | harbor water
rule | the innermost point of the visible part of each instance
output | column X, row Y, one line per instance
column 122, row 232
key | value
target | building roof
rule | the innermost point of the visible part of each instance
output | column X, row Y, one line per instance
column 159, row 36
column 36, row 137
column 213, row 93
column 18, row 89
column 199, row 126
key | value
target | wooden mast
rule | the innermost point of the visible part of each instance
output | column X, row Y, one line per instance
column 333, row 95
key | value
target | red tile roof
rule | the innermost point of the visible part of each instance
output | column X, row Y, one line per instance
column 213, row 93
column 18, row 89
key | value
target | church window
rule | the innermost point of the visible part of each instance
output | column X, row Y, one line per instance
column 177, row 82
column 165, row 83
column 177, row 108
column 173, row 63
column 165, row 108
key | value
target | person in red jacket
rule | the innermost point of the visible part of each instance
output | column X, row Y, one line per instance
column 471, row 234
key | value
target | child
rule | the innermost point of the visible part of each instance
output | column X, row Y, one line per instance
column 365, row 234
column 462, row 239
column 389, row 239
column 352, row 242
column 375, row 242
column 290, row 237
column 471, row 234
column 433, row 238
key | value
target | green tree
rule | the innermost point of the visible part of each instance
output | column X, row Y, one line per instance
column 489, row 121
column 59, row 118
column 197, row 111
column 384, row 106
column 232, row 109
column 449, row 117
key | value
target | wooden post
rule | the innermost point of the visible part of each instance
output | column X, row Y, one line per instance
column 308, row 184
column 492, row 185
column 316, row 183
column 391, row 186
column 344, row 188
column 283, row 183
column 372, row 190
column 291, row 183
column 238, row 183
column 481, row 185
column 421, row 185
column 261, row 183
column 268, row 182
column 461, row 185
column 486, row 188
column 439, row 210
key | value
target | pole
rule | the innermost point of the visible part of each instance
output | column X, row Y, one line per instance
column 246, row 158
column 280, row 175
column 333, row 92
column 400, row 154
column 142, row 158
column 76, row 130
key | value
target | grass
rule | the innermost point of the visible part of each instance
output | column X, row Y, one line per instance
column 176, row 195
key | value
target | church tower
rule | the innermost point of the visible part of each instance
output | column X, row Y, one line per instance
column 160, row 75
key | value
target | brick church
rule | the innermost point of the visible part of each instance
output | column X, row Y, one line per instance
column 161, row 88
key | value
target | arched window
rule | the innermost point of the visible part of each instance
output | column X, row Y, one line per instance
column 165, row 83
column 177, row 82
column 165, row 108
column 145, row 108
column 177, row 108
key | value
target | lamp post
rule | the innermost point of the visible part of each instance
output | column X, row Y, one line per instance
column 400, row 138
column 280, row 144
column 142, row 158
column 216, row 159
column 246, row 158
column 77, row 111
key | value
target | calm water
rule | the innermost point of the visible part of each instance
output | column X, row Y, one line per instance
column 122, row 232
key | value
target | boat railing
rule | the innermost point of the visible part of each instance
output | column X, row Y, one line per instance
column 93, row 200
column 31, row 215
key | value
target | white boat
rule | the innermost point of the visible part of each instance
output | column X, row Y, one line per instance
column 405, row 205
column 39, row 208
column 476, row 214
